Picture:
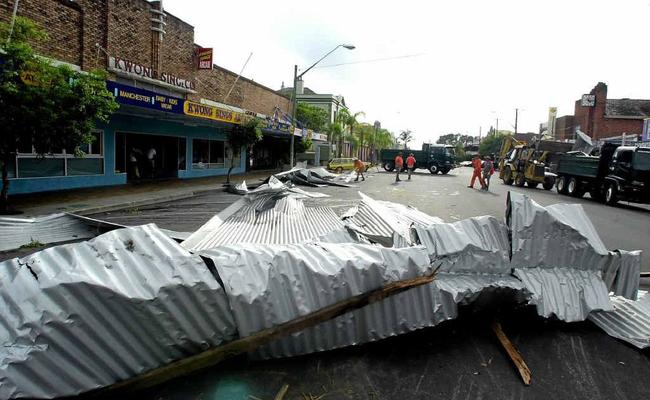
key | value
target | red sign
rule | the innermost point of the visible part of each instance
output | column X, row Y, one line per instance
column 205, row 58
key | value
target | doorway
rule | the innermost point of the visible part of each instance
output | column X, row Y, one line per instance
column 149, row 157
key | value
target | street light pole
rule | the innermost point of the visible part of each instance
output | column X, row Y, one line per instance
column 294, row 106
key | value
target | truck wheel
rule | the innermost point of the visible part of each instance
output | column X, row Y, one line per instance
column 548, row 183
column 561, row 185
column 611, row 195
column 520, row 180
column 573, row 188
column 507, row 176
column 388, row 166
column 532, row 185
column 433, row 169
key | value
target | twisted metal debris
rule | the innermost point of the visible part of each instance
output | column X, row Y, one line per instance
column 131, row 300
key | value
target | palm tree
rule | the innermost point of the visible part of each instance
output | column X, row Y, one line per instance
column 335, row 133
column 406, row 137
column 349, row 122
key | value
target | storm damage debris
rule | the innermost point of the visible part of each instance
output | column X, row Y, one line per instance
column 314, row 177
column 54, row 228
column 270, row 214
column 270, row 259
column 104, row 310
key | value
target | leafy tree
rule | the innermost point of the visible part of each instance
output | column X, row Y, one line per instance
column 492, row 143
column 240, row 137
column 348, row 123
column 312, row 117
column 44, row 106
column 405, row 137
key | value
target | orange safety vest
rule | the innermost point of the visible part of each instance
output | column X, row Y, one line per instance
column 399, row 161
column 410, row 161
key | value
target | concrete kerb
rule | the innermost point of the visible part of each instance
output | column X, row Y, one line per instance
column 142, row 202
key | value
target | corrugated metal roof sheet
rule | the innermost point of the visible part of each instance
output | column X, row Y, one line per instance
column 629, row 321
column 55, row 228
column 266, row 219
column 478, row 245
column 567, row 293
column 81, row 316
column 380, row 221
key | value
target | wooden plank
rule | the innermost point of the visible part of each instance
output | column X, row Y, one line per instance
column 282, row 392
column 215, row 355
column 510, row 348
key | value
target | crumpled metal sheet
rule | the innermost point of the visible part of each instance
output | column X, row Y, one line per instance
column 629, row 321
column 382, row 221
column 54, row 228
column 81, row 316
column 622, row 274
column 268, row 217
column 477, row 245
column 269, row 285
column 567, row 293
column 560, row 235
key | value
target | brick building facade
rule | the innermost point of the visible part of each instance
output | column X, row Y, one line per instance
column 105, row 34
column 564, row 128
column 610, row 117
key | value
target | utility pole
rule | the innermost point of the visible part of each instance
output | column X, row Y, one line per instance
column 497, row 130
column 294, row 107
column 516, row 117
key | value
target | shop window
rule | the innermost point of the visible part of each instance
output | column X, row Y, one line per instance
column 60, row 162
column 208, row 153
column 33, row 167
column 85, row 166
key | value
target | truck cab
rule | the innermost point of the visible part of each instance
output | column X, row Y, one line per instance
column 442, row 158
column 629, row 175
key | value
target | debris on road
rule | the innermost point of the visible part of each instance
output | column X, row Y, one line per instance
column 513, row 353
column 270, row 260
column 55, row 228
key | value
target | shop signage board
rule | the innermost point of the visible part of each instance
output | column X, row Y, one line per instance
column 133, row 96
column 147, row 74
column 205, row 58
column 209, row 112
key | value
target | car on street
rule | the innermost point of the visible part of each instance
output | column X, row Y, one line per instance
column 344, row 164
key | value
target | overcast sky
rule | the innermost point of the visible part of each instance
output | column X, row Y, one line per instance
column 465, row 62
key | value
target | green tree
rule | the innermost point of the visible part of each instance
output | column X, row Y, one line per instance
column 44, row 106
column 348, row 122
column 405, row 137
column 312, row 117
column 450, row 139
column 492, row 143
column 241, row 137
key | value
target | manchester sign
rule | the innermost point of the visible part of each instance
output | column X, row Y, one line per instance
column 125, row 94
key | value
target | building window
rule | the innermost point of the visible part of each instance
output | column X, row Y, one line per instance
column 61, row 162
column 208, row 154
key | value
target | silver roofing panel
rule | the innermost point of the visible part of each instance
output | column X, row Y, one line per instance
column 81, row 316
column 569, row 294
column 629, row 321
column 475, row 245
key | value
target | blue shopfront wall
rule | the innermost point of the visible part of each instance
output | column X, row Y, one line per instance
column 135, row 124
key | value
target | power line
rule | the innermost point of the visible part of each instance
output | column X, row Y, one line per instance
column 373, row 60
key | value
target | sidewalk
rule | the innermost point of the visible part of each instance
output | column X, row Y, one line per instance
column 100, row 199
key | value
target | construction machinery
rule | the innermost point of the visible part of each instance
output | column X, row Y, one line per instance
column 524, row 164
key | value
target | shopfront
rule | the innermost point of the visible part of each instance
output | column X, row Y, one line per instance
column 151, row 136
